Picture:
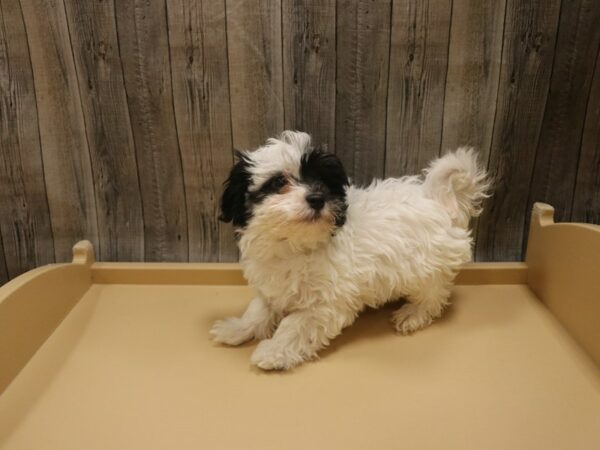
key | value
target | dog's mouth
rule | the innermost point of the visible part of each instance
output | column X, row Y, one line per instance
column 315, row 216
column 331, row 216
column 323, row 215
column 321, row 219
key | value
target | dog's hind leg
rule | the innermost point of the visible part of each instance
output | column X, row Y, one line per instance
column 257, row 322
column 422, row 306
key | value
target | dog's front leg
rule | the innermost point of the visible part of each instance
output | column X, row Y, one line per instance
column 257, row 322
column 299, row 337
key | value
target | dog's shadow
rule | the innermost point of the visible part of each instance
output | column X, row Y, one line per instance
column 372, row 324
column 375, row 324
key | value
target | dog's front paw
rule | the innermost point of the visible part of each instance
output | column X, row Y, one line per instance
column 230, row 331
column 410, row 318
column 270, row 355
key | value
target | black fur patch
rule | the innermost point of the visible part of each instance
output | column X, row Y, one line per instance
column 325, row 173
column 233, row 202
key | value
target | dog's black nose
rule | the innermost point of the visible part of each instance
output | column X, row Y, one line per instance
column 316, row 200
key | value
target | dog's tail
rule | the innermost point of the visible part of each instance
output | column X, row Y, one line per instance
column 457, row 182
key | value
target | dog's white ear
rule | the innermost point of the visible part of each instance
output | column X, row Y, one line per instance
column 233, row 201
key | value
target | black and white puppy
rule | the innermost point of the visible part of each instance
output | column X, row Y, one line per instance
column 318, row 250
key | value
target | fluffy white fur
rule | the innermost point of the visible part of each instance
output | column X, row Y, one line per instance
column 403, row 238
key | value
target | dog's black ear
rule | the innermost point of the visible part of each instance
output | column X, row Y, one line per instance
column 233, row 201
column 335, row 171
column 327, row 168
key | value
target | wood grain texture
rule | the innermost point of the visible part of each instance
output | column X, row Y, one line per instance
column 418, row 66
column 64, row 145
column 144, row 49
column 586, row 201
column 528, row 51
column 118, row 117
column 93, row 33
column 363, row 40
column 559, row 145
column 25, row 219
column 201, row 95
column 473, row 74
column 255, row 70
column 309, row 64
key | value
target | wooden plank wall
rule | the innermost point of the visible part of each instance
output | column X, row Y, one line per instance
column 118, row 118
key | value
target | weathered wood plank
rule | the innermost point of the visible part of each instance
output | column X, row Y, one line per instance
column 586, row 201
column 363, row 40
column 64, row 145
column 473, row 73
column 3, row 269
column 418, row 65
column 528, row 51
column 25, row 227
column 201, row 95
column 255, row 70
column 93, row 33
column 121, row 126
column 560, row 141
column 144, row 49
column 309, row 61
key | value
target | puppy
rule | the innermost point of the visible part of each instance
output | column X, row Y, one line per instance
column 318, row 250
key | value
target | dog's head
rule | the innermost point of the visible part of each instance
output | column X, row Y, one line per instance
column 286, row 191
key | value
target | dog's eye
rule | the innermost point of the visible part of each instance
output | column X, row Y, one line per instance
column 279, row 182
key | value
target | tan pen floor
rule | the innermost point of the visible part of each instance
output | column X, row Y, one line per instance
column 131, row 367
